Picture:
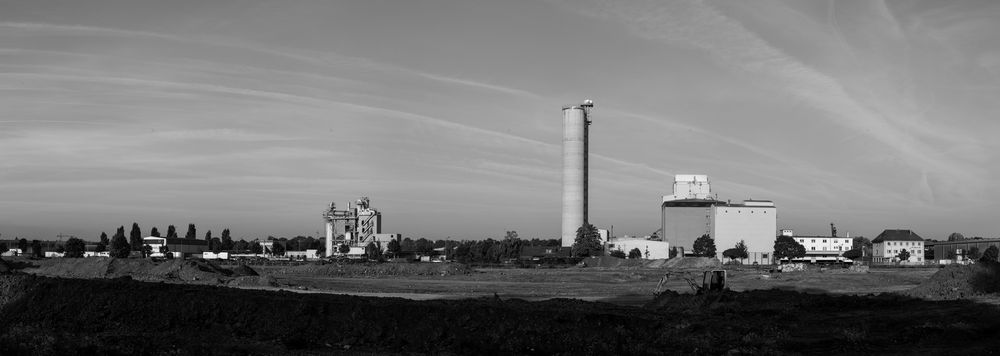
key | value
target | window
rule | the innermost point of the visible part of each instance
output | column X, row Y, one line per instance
column 814, row 240
column 824, row 241
column 814, row 248
column 802, row 241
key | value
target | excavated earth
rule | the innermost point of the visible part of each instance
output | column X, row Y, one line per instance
column 120, row 316
column 137, row 307
column 960, row 282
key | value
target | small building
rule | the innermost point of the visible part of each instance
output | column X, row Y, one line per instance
column 887, row 246
column 179, row 247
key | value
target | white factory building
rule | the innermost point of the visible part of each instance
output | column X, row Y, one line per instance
column 691, row 211
column 822, row 248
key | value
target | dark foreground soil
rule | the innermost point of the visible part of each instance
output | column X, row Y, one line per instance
column 55, row 316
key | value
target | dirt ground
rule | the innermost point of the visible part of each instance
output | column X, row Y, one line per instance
column 624, row 284
column 629, row 286
column 187, row 308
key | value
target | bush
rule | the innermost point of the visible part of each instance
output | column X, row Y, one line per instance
column 617, row 253
column 75, row 248
column 704, row 246
column 635, row 253
column 990, row 255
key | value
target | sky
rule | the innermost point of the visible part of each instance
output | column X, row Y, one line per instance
column 254, row 115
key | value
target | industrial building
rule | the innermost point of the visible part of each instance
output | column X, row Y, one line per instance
column 959, row 251
column 356, row 227
column 179, row 247
column 887, row 246
column 692, row 211
column 576, row 136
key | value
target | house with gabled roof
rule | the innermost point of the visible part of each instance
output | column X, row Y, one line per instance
column 890, row 243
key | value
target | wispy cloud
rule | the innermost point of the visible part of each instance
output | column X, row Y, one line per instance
column 327, row 58
column 698, row 24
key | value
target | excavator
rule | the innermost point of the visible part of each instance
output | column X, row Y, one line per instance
column 711, row 281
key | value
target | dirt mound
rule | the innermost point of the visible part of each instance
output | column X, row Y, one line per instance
column 376, row 270
column 13, row 287
column 252, row 281
column 959, row 281
column 244, row 270
column 139, row 269
column 685, row 262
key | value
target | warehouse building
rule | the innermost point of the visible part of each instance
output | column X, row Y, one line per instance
column 959, row 251
column 692, row 211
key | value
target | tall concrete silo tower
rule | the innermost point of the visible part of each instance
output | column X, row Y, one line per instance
column 576, row 132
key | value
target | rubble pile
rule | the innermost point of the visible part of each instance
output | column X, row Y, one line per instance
column 792, row 267
column 959, row 282
column 178, row 270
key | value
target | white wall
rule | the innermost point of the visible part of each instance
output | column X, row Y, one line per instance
column 757, row 226
column 657, row 249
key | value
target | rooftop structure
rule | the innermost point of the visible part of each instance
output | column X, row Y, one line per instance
column 690, row 186
column 897, row 235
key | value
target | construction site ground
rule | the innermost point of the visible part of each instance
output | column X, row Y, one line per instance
column 195, row 307
column 624, row 286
